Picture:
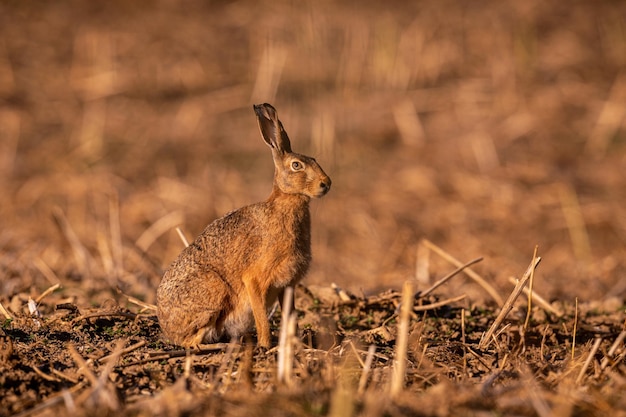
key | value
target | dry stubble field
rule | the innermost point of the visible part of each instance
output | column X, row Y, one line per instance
column 449, row 129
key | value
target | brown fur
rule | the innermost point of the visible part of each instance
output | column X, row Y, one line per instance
column 242, row 262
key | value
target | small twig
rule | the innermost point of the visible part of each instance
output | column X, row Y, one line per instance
column 356, row 353
column 54, row 400
column 116, row 234
column 133, row 300
column 539, row 403
column 5, row 313
column 46, row 270
column 82, row 365
column 63, row 376
column 182, row 237
column 473, row 275
column 187, row 368
column 207, row 348
column 47, row 292
column 366, row 368
column 101, row 395
column 613, row 349
column 227, row 365
column 105, row 314
column 543, row 341
column 506, row 308
column 592, row 353
column 163, row 356
column 123, row 351
column 156, row 229
column 44, row 375
column 285, row 359
column 575, row 328
column 422, row 356
column 539, row 300
column 81, row 254
column 574, row 220
column 530, row 293
column 447, row 277
column 422, row 263
column 480, row 359
column 399, row 368
column 463, row 341
column 439, row 303
column 340, row 292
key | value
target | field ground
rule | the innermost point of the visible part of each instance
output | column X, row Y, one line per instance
column 448, row 128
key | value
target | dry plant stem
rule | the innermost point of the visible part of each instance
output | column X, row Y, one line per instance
column 539, row 300
column 133, row 300
column 116, row 234
column 463, row 341
column 46, row 270
column 439, row 303
column 208, row 348
column 187, row 368
column 182, row 237
column 473, row 275
column 156, row 229
column 575, row 328
column 5, row 313
column 534, row 391
column 422, row 264
column 100, row 394
column 44, row 375
column 52, row 401
column 340, row 292
column 285, row 360
column 123, row 351
column 613, row 349
column 592, row 353
column 47, row 292
column 105, row 314
column 506, row 308
column 81, row 254
column 82, row 365
column 291, row 339
column 367, row 366
column 479, row 358
column 225, row 370
column 356, row 353
column 399, row 368
column 64, row 376
column 575, row 221
column 530, row 293
column 543, row 340
column 161, row 356
column 447, row 277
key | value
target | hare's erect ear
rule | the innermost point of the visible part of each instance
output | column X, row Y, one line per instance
column 271, row 128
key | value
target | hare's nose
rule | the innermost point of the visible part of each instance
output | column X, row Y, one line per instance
column 325, row 185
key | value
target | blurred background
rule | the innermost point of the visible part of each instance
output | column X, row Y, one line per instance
column 485, row 127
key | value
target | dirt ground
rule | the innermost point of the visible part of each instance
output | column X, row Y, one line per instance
column 449, row 129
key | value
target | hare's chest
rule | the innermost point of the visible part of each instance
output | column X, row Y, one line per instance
column 286, row 265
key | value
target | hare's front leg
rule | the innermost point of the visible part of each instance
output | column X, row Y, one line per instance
column 257, row 295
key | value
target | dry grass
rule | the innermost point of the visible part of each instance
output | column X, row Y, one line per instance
column 486, row 129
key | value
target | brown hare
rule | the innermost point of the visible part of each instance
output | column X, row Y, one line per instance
column 243, row 261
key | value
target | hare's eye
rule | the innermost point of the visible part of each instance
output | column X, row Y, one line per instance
column 297, row 165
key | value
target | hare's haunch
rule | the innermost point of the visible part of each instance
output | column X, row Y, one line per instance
column 242, row 262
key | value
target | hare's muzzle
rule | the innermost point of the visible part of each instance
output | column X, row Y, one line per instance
column 324, row 186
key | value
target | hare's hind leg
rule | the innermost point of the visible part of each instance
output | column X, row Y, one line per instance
column 193, row 313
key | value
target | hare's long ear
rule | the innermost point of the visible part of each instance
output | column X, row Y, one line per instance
column 271, row 128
